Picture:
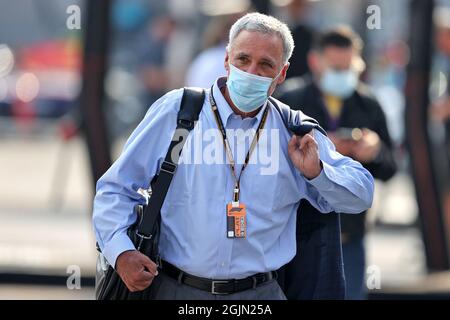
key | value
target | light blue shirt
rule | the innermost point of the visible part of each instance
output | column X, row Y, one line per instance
column 193, row 227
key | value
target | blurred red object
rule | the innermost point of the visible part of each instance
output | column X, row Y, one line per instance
column 60, row 54
column 68, row 129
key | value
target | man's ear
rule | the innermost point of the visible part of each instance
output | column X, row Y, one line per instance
column 283, row 72
column 226, row 61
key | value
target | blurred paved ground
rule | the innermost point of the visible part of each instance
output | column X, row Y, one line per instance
column 45, row 225
column 29, row 292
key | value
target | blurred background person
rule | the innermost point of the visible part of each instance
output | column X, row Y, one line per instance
column 441, row 21
column 355, row 122
column 295, row 13
column 441, row 107
column 154, row 74
column 208, row 64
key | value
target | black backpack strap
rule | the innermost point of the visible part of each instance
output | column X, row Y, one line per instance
column 296, row 121
column 191, row 106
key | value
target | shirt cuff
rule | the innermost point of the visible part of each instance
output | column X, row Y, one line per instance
column 324, row 181
column 114, row 247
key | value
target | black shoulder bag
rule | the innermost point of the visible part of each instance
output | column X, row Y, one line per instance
column 145, row 232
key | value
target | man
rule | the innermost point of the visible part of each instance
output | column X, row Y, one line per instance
column 441, row 107
column 441, row 19
column 355, row 123
column 297, row 11
column 194, row 241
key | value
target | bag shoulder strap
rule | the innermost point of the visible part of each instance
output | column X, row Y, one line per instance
column 190, row 108
column 295, row 120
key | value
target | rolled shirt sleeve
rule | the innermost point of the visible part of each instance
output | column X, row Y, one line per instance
column 343, row 185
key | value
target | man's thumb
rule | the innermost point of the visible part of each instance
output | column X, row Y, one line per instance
column 150, row 265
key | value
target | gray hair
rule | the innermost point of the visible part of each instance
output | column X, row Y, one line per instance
column 265, row 24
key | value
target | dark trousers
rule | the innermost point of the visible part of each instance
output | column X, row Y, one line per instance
column 354, row 267
column 166, row 288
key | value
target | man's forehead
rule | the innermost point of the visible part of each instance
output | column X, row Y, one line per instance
column 338, row 54
column 345, row 57
column 257, row 38
column 252, row 43
column 330, row 50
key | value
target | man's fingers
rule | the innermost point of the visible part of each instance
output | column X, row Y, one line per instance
column 306, row 141
column 144, row 285
column 131, row 287
column 150, row 265
column 301, row 143
column 139, row 287
column 145, row 280
column 141, row 280
column 292, row 145
column 145, row 276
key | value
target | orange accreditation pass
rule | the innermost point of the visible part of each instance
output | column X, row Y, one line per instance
column 236, row 224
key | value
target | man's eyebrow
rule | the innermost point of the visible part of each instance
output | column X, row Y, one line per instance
column 270, row 61
column 265, row 59
column 242, row 55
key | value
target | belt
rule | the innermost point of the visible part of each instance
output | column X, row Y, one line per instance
column 218, row 287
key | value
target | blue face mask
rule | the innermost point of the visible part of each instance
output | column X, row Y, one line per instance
column 339, row 83
column 247, row 91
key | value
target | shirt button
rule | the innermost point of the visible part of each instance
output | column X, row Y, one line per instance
column 222, row 264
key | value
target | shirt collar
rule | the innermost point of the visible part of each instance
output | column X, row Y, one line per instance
column 225, row 110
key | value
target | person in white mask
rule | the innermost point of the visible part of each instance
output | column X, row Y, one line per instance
column 227, row 226
column 356, row 124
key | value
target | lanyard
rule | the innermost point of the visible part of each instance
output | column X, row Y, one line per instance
column 227, row 147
